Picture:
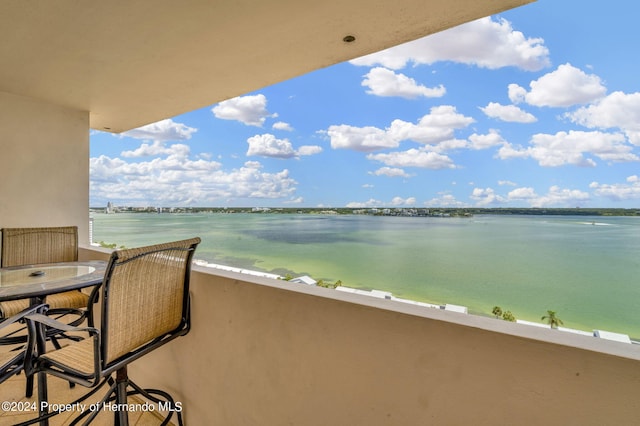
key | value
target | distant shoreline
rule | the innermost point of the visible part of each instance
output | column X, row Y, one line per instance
column 379, row 211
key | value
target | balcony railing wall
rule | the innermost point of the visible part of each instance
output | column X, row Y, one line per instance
column 265, row 352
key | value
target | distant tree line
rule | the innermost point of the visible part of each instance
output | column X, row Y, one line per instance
column 382, row 211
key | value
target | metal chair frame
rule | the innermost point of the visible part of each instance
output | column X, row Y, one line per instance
column 105, row 344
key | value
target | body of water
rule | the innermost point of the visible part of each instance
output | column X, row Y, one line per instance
column 586, row 269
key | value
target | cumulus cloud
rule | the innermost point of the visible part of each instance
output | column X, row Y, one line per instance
column 572, row 148
column 384, row 82
column 527, row 193
column 509, row 113
column 309, row 150
column 162, row 131
column 486, row 196
column 564, row 87
column 296, row 200
column 155, row 149
column 491, row 139
column 617, row 110
column 618, row 191
column 399, row 201
column 438, row 126
column 367, row 204
column 365, row 139
column 395, row 202
column 558, row 197
column 486, row 43
column 414, row 158
column 391, row 172
column 281, row 125
column 250, row 110
column 267, row 145
column 445, row 200
column 176, row 179
column 555, row 197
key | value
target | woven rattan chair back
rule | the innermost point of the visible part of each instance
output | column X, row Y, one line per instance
column 28, row 246
column 145, row 296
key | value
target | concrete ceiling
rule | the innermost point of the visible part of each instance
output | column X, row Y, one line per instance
column 131, row 63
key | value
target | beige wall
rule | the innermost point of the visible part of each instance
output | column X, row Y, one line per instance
column 266, row 353
column 44, row 164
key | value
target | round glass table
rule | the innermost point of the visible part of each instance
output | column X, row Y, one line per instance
column 19, row 282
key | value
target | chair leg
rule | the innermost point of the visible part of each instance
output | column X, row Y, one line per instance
column 122, row 380
column 29, row 388
column 42, row 396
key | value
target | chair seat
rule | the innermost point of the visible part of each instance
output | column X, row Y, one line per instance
column 69, row 299
column 12, row 307
column 9, row 358
column 77, row 356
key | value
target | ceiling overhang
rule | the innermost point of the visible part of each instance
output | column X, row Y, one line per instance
column 130, row 63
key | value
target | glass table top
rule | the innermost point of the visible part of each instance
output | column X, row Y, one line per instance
column 40, row 274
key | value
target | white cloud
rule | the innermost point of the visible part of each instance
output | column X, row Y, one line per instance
column 369, row 203
column 414, row 158
column 555, row 197
column 486, row 197
column 436, row 127
column 522, row 194
column 617, row 110
column 281, row 125
column 267, row 145
column 399, row 201
column 365, row 139
column 564, row 87
column 506, row 182
column 391, row 172
column 309, row 150
column 619, row 191
column 571, row 148
column 484, row 42
column 446, row 200
column 162, row 131
column 384, row 82
column 156, row 149
column 558, row 197
column 439, row 125
column 250, row 110
column 395, row 202
column 509, row 113
column 179, row 180
column 297, row 200
column 489, row 140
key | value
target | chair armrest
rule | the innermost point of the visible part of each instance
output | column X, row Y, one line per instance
column 38, row 326
column 32, row 310
column 52, row 323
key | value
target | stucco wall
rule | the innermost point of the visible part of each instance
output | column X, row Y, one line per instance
column 263, row 355
column 44, row 164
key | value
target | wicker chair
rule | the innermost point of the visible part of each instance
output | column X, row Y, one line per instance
column 30, row 246
column 12, row 362
column 144, row 304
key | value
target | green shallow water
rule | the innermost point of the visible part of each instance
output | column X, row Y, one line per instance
column 584, row 268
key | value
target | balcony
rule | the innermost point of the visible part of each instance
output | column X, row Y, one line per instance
column 265, row 352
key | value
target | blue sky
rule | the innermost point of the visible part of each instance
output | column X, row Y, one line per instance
column 535, row 107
